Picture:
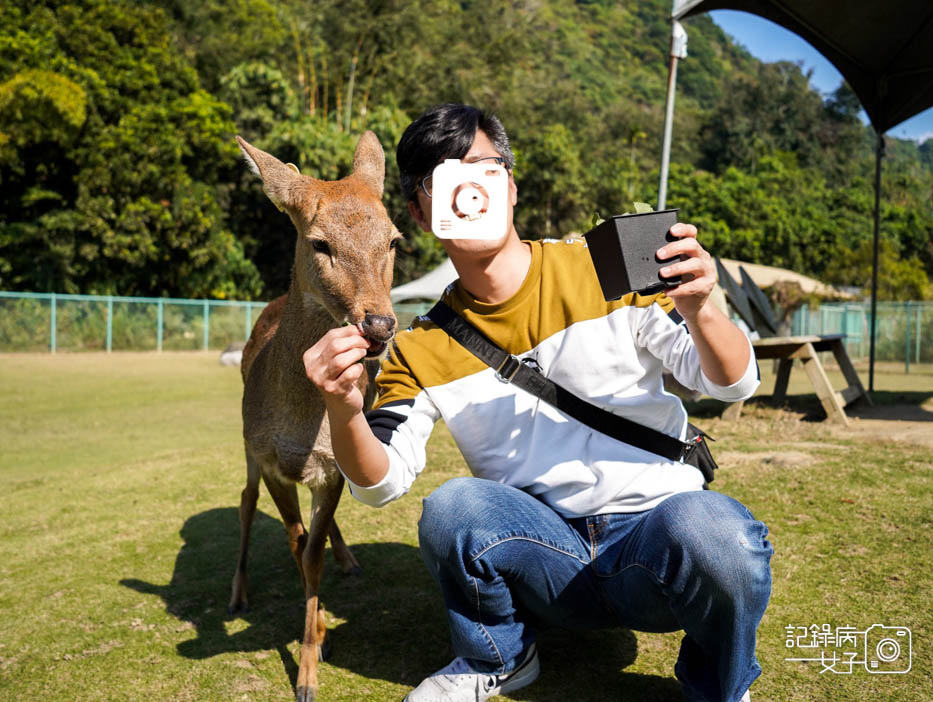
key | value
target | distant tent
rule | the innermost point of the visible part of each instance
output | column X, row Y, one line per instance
column 429, row 286
column 882, row 49
column 766, row 276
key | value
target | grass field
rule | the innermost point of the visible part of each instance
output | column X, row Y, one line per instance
column 121, row 477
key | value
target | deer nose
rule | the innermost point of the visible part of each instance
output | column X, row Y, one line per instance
column 378, row 326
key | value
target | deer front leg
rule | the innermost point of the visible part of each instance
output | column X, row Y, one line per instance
column 248, row 497
column 323, row 505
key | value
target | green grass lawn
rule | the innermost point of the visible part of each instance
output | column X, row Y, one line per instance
column 121, row 477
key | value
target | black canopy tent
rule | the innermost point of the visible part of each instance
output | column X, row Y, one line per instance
column 881, row 49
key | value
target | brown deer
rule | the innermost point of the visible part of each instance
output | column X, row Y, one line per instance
column 342, row 274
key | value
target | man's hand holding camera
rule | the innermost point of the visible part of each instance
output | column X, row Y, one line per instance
column 697, row 268
column 722, row 347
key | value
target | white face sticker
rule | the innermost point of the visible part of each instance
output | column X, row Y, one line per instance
column 469, row 200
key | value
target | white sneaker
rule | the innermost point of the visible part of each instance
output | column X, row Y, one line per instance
column 747, row 697
column 457, row 682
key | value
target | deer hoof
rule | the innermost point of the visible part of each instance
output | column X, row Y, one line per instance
column 238, row 602
column 305, row 694
column 241, row 607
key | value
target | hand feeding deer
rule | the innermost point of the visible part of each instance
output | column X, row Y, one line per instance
column 342, row 274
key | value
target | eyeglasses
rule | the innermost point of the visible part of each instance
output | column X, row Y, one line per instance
column 425, row 183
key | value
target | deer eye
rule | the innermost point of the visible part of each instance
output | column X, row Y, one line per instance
column 321, row 246
column 393, row 244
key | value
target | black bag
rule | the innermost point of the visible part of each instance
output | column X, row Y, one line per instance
column 694, row 451
column 699, row 456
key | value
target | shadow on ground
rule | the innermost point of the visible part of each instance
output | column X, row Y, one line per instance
column 899, row 406
column 886, row 404
column 390, row 622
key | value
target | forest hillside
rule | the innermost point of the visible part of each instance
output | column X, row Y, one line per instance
column 119, row 172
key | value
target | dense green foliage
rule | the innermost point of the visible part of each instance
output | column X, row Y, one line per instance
column 114, row 162
column 119, row 172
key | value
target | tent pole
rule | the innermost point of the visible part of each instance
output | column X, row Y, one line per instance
column 678, row 51
column 879, row 154
column 668, row 128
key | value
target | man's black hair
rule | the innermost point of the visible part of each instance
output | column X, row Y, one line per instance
column 441, row 132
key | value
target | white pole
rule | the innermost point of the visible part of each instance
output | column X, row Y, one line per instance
column 879, row 154
column 678, row 51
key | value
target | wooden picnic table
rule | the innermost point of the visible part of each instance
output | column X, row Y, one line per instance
column 805, row 349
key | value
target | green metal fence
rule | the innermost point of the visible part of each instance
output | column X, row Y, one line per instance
column 903, row 333
column 57, row 322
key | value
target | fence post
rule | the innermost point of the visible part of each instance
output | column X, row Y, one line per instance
column 919, row 312
column 109, row 323
column 52, row 325
column 249, row 319
column 866, row 333
column 845, row 327
column 159, row 326
column 907, row 336
column 207, row 321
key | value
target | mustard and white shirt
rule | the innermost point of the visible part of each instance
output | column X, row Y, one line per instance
column 609, row 353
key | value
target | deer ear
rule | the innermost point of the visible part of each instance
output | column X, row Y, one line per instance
column 280, row 181
column 369, row 162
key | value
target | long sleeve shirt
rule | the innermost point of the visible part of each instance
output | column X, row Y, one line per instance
column 611, row 354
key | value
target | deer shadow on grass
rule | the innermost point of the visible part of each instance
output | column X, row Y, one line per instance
column 390, row 623
column 200, row 585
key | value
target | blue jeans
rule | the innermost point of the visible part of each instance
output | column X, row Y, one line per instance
column 507, row 564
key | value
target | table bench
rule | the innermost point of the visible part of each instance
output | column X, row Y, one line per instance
column 805, row 349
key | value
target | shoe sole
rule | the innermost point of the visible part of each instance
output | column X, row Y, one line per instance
column 520, row 677
column 523, row 676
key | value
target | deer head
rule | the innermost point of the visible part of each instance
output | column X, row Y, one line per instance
column 345, row 251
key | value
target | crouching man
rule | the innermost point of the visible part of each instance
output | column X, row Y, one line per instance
column 560, row 524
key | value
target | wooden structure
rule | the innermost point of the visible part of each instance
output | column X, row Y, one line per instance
column 751, row 304
column 805, row 349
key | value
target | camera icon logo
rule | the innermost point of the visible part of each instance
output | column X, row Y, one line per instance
column 888, row 649
column 470, row 200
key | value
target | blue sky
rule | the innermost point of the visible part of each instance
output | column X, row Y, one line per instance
column 770, row 42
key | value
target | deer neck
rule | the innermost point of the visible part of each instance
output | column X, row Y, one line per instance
column 304, row 322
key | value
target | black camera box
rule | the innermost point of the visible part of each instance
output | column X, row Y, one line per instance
column 623, row 250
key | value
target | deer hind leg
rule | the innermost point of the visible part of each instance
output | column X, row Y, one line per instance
column 324, row 502
column 285, row 496
column 348, row 563
column 248, row 497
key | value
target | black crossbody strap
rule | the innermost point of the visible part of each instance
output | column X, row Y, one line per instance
column 510, row 370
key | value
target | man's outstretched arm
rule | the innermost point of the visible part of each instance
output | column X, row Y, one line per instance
column 723, row 348
column 332, row 364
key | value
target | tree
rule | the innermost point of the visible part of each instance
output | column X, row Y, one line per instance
column 214, row 36
column 260, row 97
column 774, row 109
column 118, row 169
column 118, row 186
column 548, row 169
column 899, row 278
